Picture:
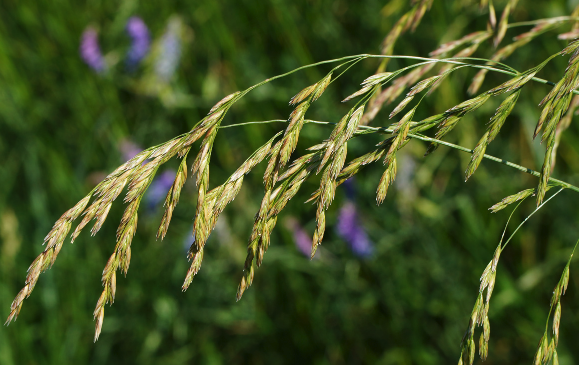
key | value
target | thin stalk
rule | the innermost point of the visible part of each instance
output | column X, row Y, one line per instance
column 443, row 60
column 539, row 21
column 429, row 139
column 529, row 216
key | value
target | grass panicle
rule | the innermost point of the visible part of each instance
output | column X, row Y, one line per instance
column 285, row 174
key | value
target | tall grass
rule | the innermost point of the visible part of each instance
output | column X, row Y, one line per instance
column 285, row 173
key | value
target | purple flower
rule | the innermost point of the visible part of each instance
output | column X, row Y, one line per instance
column 302, row 239
column 159, row 188
column 141, row 41
column 129, row 149
column 170, row 51
column 90, row 50
column 349, row 186
column 160, row 185
column 189, row 240
column 351, row 231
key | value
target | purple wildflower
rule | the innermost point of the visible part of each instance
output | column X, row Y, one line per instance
column 141, row 41
column 302, row 239
column 159, row 188
column 170, row 51
column 90, row 50
column 351, row 231
column 404, row 183
column 160, row 185
column 349, row 186
column 129, row 149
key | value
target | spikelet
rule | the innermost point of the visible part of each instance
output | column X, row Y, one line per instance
column 195, row 255
column 302, row 95
column 173, row 196
column 562, row 126
column 201, row 168
column 378, row 78
column 452, row 116
column 335, row 152
column 479, row 314
column 225, row 103
column 502, row 27
column 574, row 33
column 469, row 39
column 354, row 166
column 492, row 15
column 547, row 349
column 506, row 51
column 520, row 80
column 372, row 82
column 386, row 180
column 401, row 106
column 390, row 94
column 495, row 125
column 513, row 199
column 362, row 91
column 296, row 119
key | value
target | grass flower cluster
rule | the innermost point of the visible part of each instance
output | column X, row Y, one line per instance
column 285, row 173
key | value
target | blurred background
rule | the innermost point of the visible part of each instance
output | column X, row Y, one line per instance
column 85, row 85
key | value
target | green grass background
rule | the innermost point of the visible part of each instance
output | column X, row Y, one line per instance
column 409, row 303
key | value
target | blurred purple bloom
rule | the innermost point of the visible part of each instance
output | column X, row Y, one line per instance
column 351, row 231
column 170, row 51
column 302, row 239
column 159, row 188
column 189, row 240
column 129, row 149
column 404, row 182
column 349, row 186
column 141, row 41
column 160, row 185
column 90, row 50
